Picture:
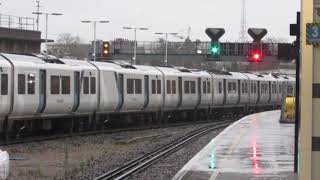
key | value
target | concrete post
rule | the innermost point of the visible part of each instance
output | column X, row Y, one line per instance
column 315, row 85
column 306, row 76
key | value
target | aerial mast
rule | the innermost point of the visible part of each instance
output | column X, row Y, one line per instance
column 243, row 28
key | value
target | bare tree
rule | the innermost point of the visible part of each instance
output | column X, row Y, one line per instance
column 68, row 45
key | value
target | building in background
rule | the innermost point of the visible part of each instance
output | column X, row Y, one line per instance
column 18, row 35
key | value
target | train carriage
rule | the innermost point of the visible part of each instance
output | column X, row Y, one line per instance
column 44, row 87
column 242, row 88
column 24, row 85
column 263, row 90
column 272, row 89
column 219, row 88
column 253, row 89
column 204, row 89
column 152, row 88
column 6, row 71
column 172, row 79
column 191, row 86
column 110, row 88
column 85, row 86
column 291, row 86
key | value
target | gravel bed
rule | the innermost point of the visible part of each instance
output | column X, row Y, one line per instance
column 169, row 166
column 87, row 157
column 119, row 157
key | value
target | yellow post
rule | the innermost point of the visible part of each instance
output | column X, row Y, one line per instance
column 288, row 110
column 306, row 170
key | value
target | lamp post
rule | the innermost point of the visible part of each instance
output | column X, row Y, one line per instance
column 47, row 19
column 94, row 35
column 166, row 53
column 133, row 61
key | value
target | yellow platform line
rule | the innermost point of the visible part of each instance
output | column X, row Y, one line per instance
column 235, row 143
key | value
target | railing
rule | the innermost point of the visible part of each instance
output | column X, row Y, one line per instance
column 16, row 22
column 191, row 48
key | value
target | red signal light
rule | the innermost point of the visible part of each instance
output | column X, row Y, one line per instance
column 256, row 56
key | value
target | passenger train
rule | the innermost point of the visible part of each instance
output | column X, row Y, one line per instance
column 43, row 92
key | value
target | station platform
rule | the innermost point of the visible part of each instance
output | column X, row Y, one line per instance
column 255, row 147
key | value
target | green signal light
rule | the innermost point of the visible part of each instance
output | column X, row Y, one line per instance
column 215, row 50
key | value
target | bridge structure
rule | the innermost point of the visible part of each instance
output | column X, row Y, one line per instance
column 18, row 35
column 234, row 55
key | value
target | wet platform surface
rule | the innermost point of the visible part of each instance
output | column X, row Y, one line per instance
column 257, row 147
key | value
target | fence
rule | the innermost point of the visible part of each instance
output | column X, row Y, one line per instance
column 190, row 48
column 16, row 22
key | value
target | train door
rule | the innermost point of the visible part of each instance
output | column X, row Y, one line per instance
column 146, row 91
column 258, row 91
column 119, row 80
column 224, row 91
column 239, row 91
column 199, row 91
column 42, row 91
column 180, row 91
column 270, row 92
column 76, row 91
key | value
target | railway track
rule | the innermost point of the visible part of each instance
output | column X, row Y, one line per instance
column 31, row 139
column 147, row 160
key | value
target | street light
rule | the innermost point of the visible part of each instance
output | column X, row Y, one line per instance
column 94, row 34
column 133, row 61
column 47, row 19
column 166, row 53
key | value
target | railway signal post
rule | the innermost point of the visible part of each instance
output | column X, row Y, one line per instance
column 215, row 34
column 255, row 52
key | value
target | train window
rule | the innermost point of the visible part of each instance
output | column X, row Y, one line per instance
column 153, row 84
column 274, row 89
column 21, row 84
column 246, row 89
column 267, row 88
column 242, row 88
column 4, row 84
column 65, row 84
column 138, row 86
column 174, row 87
column 193, row 87
column 251, row 87
column 208, row 87
column 159, row 86
column 93, row 85
column 86, row 85
column 234, row 87
column 280, row 88
column 220, row 88
column 130, row 86
column 290, row 89
column 255, row 88
column 168, row 87
column 263, row 89
column 229, row 87
column 204, row 87
column 55, row 84
column 186, row 87
column 31, row 83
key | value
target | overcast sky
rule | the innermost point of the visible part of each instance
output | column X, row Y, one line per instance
column 158, row 16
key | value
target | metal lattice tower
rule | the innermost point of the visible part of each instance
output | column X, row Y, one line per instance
column 243, row 28
column 38, row 10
